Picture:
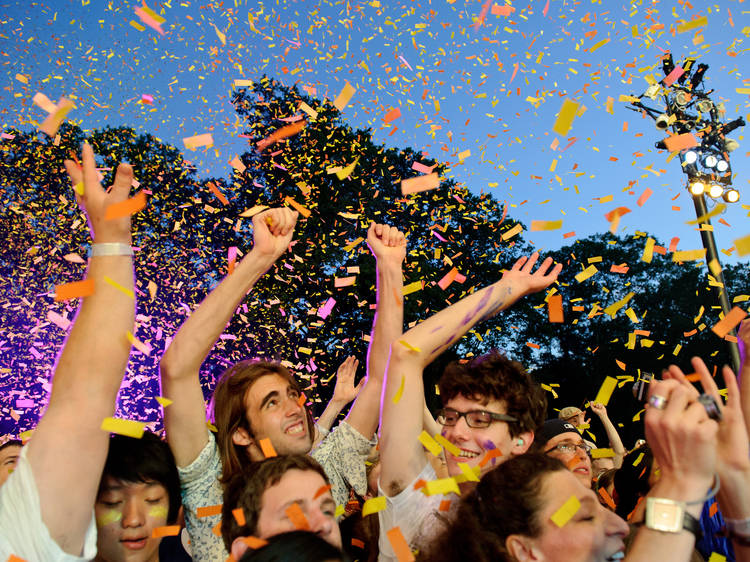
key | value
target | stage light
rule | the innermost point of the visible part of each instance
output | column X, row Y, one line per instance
column 715, row 190
column 681, row 98
column 690, row 157
column 731, row 195
column 697, row 188
column 722, row 166
column 704, row 106
column 710, row 161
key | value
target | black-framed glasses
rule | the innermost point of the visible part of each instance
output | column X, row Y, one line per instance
column 476, row 418
column 569, row 448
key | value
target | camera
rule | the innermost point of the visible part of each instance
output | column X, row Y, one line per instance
column 662, row 122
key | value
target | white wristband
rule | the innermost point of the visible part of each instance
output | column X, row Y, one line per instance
column 110, row 249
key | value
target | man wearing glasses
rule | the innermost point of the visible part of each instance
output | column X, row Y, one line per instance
column 560, row 439
column 490, row 409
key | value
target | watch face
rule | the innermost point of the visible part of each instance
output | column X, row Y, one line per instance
column 665, row 517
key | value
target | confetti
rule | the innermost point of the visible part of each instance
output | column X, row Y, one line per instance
column 373, row 505
column 729, row 322
column 565, row 118
column 566, row 512
column 399, row 545
column 74, row 290
column 128, row 428
column 606, row 390
column 344, row 97
column 126, row 208
column 267, row 447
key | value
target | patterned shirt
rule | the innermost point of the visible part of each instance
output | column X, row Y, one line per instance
column 342, row 455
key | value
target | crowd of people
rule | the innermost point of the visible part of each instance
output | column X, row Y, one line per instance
column 486, row 477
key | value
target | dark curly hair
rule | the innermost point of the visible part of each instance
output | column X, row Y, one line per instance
column 495, row 377
column 506, row 502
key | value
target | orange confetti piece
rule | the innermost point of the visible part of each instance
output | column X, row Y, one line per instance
column 618, row 212
column 729, row 322
column 532, row 345
column 297, row 517
column 219, row 195
column 322, row 490
column 302, row 210
column 555, row 309
column 680, row 142
column 254, row 542
column 619, row 269
column 166, row 531
column 53, row 121
column 607, row 498
column 357, row 543
column 239, row 516
column 267, row 448
column 420, row 183
column 713, row 509
column 392, row 115
column 14, row 558
column 126, row 208
column 445, row 505
column 74, row 290
column 644, row 197
column 281, row 134
column 208, row 510
column 400, row 546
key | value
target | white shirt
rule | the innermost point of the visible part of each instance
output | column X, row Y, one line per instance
column 22, row 531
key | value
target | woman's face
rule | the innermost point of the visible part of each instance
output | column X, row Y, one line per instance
column 593, row 533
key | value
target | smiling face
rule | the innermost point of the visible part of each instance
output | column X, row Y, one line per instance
column 274, row 413
column 578, row 462
column 299, row 487
column 126, row 515
column 593, row 534
column 474, row 443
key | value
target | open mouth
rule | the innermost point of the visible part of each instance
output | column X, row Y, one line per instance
column 466, row 454
column 296, row 428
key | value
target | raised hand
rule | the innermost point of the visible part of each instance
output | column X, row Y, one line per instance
column 345, row 391
column 732, row 439
column 599, row 409
column 526, row 282
column 94, row 200
column 273, row 231
column 387, row 243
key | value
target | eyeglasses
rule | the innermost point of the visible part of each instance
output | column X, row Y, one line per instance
column 569, row 448
column 476, row 418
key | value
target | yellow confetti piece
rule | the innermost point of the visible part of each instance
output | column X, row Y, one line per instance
column 599, row 44
column 346, row 172
column 565, row 118
column 309, row 110
column 163, row 401
column 613, row 308
column 742, row 90
column 689, row 255
column 638, row 459
column 240, row 83
column 400, row 391
column 357, row 242
column 602, row 453
column 129, row 428
column 22, row 78
column 441, row 486
column 25, row 435
column 566, row 512
column 464, row 155
column 429, row 443
column 508, row 234
column 373, row 505
column 343, row 98
column 720, row 208
column 692, row 24
column 119, row 287
column 716, row 557
column 340, row 510
column 586, row 273
column 137, row 25
column 743, row 245
column 447, row 445
column 468, row 472
column 648, row 250
column 220, row 35
column 409, row 346
column 412, row 288
column 546, row 225
column 606, row 390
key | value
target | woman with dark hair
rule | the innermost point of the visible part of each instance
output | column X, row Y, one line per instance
column 300, row 546
column 510, row 517
column 633, row 481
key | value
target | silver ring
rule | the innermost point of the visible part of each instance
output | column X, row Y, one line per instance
column 658, row 402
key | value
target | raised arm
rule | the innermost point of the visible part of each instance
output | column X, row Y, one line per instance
column 388, row 245
column 743, row 341
column 185, row 418
column 401, row 454
column 733, row 454
column 344, row 392
column 68, row 448
column 614, row 438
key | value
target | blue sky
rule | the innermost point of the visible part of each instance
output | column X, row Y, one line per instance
column 493, row 90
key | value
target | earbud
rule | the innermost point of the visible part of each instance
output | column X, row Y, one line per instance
column 520, row 442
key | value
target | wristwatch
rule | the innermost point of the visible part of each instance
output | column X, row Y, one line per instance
column 670, row 516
